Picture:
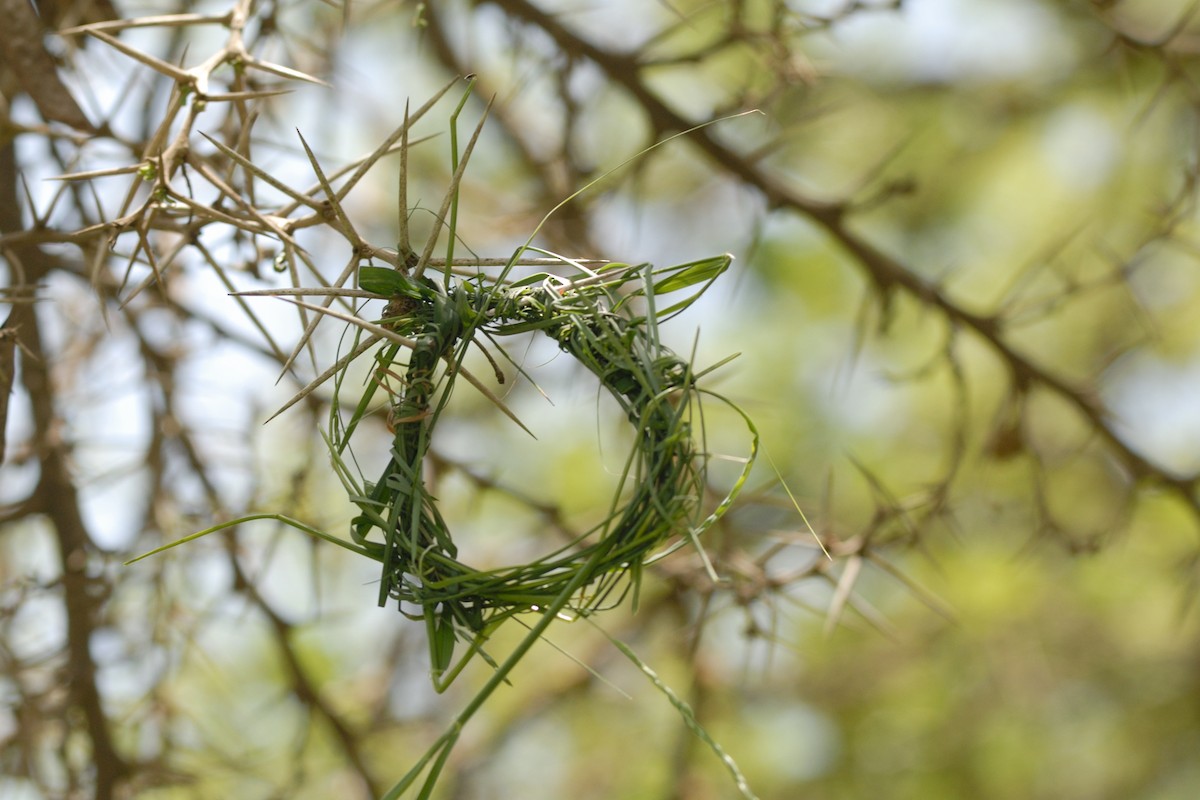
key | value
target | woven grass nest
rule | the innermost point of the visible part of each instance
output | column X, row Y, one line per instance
column 606, row 319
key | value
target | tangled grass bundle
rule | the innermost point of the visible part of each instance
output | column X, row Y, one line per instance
column 591, row 316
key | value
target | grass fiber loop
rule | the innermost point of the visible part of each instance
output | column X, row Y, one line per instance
column 592, row 317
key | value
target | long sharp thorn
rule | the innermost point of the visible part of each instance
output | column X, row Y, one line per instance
column 450, row 194
column 326, row 375
column 369, row 327
column 488, row 394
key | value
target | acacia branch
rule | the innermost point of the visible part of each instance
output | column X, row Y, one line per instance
column 57, row 499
